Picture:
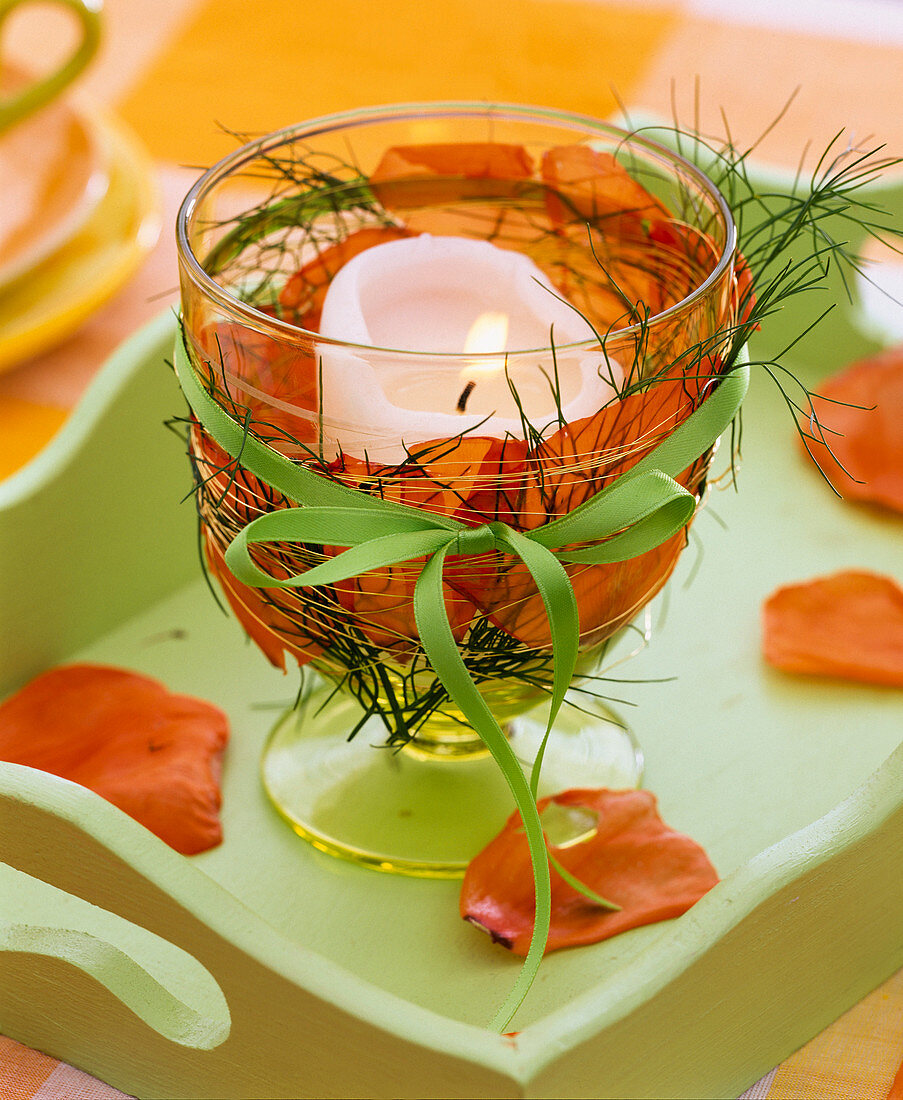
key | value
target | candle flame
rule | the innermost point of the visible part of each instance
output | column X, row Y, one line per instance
column 489, row 332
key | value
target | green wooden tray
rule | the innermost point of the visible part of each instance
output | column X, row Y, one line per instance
column 264, row 968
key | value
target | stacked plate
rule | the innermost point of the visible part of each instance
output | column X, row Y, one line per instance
column 78, row 211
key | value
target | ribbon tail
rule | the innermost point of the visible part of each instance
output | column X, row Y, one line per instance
column 558, row 598
column 440, row 647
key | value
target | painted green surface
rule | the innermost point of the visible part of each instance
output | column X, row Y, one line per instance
column 792, row 785
column 159, row 982
column 91, row 531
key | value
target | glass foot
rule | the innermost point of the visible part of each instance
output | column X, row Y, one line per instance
column 390, row 809
column 419, row 813
column 589, row 746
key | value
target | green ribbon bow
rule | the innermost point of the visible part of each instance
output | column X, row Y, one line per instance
column 637, row 512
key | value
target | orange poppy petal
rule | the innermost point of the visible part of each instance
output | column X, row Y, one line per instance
column 305, row 291
column 470, row 159
column 153, row 754
column 869, row 439
column 418, row 175
column 248, row 363
column 633, row 859
column 589, row 184
column 849, row 625
column 273, row 618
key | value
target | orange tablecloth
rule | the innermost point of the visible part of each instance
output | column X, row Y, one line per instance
column 181, row 70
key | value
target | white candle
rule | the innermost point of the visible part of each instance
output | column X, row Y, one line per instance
column 454, row 296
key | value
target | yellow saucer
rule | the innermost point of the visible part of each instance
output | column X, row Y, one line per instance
column 56, row 297
column 53, row 172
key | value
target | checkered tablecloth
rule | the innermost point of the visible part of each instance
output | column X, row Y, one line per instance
column 178, row 71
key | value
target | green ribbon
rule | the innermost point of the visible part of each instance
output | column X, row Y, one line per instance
column 637, row 512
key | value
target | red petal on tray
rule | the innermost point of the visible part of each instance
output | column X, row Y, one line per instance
column 633, row 859
column 869, row 443
column 849, row 625
column 153, row 754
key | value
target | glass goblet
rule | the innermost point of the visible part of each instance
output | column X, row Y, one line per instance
column 486, row 315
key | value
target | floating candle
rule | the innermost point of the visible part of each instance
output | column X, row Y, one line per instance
column 468, row 303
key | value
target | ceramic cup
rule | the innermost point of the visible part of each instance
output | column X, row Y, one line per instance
column 23, row 102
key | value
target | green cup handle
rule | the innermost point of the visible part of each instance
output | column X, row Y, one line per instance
column 17, row 107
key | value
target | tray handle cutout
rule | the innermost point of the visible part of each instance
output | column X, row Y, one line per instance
column 162, row 984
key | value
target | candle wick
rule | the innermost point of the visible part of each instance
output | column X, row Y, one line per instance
column 465, row 393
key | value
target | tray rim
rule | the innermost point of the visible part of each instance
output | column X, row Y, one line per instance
column 64, row 448
column 864, row 811
column 226, row 915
